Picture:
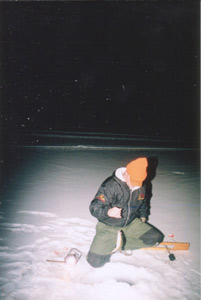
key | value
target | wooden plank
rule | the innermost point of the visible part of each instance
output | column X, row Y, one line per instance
column 171, row 246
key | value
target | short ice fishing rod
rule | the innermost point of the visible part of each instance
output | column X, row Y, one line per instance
column 171, row 255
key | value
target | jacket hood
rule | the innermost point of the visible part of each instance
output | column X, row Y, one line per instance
column 119, row 174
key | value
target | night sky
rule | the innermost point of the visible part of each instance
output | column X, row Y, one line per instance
column 116, row 67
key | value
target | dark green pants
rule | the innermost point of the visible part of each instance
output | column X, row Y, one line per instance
column 136, row 235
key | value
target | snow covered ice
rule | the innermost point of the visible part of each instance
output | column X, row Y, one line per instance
column 45, row 212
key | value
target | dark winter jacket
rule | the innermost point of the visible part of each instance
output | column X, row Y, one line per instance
column 115, row 193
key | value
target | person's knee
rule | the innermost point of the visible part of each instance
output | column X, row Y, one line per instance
column 152, row 237
column 97, row 260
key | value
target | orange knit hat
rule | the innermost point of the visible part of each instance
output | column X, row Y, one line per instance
column 137, row 169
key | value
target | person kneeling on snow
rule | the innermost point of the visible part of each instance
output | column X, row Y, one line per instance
column 121, row 208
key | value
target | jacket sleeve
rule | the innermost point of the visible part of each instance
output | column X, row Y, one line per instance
column 102, row 201
column 144, row 208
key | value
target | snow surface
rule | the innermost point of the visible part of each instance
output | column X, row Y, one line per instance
column 44, row 213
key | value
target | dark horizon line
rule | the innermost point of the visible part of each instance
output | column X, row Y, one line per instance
column 66, row 138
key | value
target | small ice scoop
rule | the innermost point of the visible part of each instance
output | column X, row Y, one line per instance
column 73, row 256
